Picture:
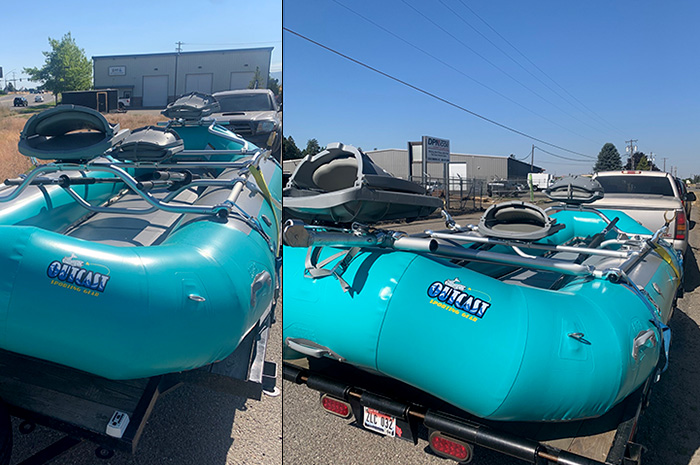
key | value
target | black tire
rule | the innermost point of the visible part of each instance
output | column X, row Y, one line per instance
column 5, row 435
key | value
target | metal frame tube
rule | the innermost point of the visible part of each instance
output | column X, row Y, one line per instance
column 529, row 245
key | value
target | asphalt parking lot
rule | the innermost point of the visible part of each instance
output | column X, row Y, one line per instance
column 669, row 428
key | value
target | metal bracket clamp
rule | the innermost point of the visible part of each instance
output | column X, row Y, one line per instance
column 644, row 339
column 311, row 349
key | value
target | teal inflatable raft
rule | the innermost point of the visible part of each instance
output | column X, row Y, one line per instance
column 132, row 255
column 529, row 316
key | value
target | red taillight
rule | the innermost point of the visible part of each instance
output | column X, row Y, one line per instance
column 451, row 448
column 631, row 172
column 335, row 406
column 681, row 225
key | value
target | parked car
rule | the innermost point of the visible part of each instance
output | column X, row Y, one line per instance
column 20, row 102
column 39, row 98
column 505, row 188
column 683, row 189
column 252, row 114
column 651, row 198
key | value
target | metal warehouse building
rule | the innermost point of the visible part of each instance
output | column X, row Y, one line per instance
column 154, row 80
column 479, row 167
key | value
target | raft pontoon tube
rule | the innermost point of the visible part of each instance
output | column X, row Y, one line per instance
column 157, row 261
column 341, row 185
column 559, row 328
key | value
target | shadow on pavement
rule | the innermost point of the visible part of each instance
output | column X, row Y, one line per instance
column 670, row 427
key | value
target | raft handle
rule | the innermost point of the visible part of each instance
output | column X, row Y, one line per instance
column 261, row 280
column 312, row 349
column 644, row 339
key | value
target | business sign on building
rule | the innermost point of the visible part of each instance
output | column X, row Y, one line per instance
column 436, row 150
column 117, row 71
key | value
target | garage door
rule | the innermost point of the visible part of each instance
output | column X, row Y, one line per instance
column 155, row 91
column 198, row 83
column 241, row 80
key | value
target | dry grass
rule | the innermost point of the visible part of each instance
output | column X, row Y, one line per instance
column 135, row 120
column 12, row 163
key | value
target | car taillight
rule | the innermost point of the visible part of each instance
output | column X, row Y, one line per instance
column 681, row 225
column 631, row 172
column 450, row 448
column 335, row 406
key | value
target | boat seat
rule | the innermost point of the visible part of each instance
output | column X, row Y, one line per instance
column 68, row 133
column 342, row 166
column 336, row 175
column 149, row 144
column 517, row 220
column 192, row 106
column 575, row 190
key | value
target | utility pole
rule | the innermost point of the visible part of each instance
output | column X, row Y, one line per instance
column 630, row 149
column 532, row 158
column 665, row 158
column 177, row 57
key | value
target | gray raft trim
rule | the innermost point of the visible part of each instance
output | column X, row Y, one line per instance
column 517, row 220
column 575, row 190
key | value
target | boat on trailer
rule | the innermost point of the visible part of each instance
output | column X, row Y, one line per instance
column 529, row 316
column 137, row 253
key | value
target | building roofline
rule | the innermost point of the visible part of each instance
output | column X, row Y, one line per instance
column 184, row 53
column 451, row 153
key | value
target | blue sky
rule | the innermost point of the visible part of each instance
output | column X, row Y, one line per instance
column 136, row 27
column 587, row 73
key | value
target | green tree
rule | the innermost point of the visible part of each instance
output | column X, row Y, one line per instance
column 66, row 67
column 290, row 151
column 633, row 163
column 312, row 148
column 643, row 163
column 257, row 79
column 608, row 159
column 274, row 85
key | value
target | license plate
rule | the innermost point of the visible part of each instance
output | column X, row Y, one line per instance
column 379, row 422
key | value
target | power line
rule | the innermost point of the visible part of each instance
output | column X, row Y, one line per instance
column 460, row 72
column 510, row 57
column 538, row 68
column 234, row 44
column 436, row 97
column 562, row 156
column 498, row 68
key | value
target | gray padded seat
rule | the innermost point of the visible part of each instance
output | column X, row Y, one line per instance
column 575, row 190
column 344, row 166
column 68, row 133
column 336, row 175
column 192, row 106
column 150, row 144
column 517, row 220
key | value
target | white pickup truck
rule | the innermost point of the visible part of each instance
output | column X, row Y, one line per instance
column 651, row 198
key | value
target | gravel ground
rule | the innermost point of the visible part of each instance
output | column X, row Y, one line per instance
column 669, row 429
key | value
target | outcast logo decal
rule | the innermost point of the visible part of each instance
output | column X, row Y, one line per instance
column 453, row 293
column 72, row 273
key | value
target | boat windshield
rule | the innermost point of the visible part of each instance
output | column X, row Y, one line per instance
column 255, row 102
column 636, row 185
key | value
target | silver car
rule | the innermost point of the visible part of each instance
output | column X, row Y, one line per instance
column 252, row 114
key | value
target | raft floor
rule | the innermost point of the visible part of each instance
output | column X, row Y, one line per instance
column 131, row 230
